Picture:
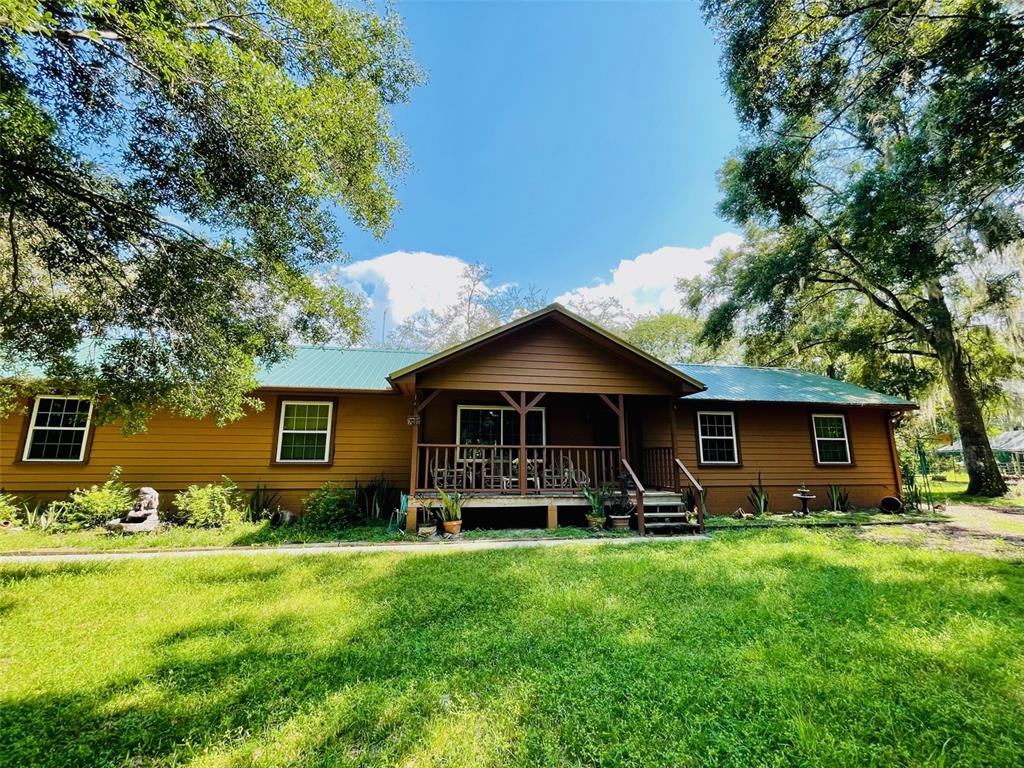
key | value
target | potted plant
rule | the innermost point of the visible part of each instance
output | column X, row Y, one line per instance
column 451, row 511
column 596, row 497
column 618, row 511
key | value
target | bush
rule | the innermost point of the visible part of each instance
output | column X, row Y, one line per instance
column 215, row 505
column 91, row 507
column 10, row 509
column 330, row 507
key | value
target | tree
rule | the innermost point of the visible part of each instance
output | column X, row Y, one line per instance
column 675, row 338
column 169, row 171
column 884, row 163
column 479, row 308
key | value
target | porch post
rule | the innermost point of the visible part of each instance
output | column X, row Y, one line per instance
column 622, row 429
column 522, row 443
column 415, row 459
column 675, row 441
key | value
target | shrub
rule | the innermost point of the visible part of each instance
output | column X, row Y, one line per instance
column 758, row 497
column 10, row 509
column 214, row 505
column 330, row 507
column 377, row 497
column 838, row 498
column 263, row 503
column 93, row 506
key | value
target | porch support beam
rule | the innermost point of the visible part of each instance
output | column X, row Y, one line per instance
column 426, row 401
column 415, row 458
column 552, row 515
column 608, row 401
column 522, row 443
column 536, row 399
column 621, row 411
column 511, row 400
column 675, row 441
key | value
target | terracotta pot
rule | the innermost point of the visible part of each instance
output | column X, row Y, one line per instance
column 595, row 522
column 618, row 521
column 453, row 526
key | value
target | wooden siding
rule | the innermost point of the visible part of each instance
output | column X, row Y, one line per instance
column 371, row 437
column 775, row 440
column 546, row 357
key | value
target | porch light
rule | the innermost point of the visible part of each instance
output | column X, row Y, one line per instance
column 413, row 419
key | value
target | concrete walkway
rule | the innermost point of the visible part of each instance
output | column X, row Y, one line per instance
column 332, row 549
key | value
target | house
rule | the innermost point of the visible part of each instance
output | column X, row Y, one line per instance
column 550, row 392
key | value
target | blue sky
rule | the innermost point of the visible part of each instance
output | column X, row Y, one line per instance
column 556, row 143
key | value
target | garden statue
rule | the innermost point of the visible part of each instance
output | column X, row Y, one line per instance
column 143, row 517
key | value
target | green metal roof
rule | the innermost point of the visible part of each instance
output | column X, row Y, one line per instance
column 781, row 385
column 337, row 368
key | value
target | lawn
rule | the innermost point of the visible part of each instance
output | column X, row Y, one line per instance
column 777, row 647
column 954, row 488
column 255, row 535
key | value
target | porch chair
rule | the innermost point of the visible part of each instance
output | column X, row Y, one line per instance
column 446, row 477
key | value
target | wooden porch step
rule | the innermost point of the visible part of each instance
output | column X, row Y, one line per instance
column 675, row 515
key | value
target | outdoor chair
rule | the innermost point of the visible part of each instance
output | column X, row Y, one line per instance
column 447, row 477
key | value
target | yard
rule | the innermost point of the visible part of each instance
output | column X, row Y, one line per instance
column 757, row 648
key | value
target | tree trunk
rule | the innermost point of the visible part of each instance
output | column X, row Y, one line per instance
column 984, row 477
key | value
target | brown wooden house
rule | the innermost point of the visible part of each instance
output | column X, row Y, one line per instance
column 517, row 419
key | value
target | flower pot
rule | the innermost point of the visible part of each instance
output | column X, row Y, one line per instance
column 618, row 521
column 426, row 531
column 453, row 527
column 596, row 523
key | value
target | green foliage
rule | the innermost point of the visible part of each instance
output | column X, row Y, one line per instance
column 93, row 506
column 214, row 505
column 451, row 505
column 263, row 502
column 669, row 336
column 355, row 641
column 377, row 498
column 330, row 507
column 838, row 498
column 11, row 509
column 597, row 498
column 879, row 188
column 758, row 498
column 172, row 172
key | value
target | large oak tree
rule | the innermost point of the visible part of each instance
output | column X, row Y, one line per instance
column 883, row 163
column 169, row 172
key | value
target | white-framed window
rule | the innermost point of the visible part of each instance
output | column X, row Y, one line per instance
column 716, row 436
column 304, row 434
column 498, row 425
column 58, row 429
column 831, row 440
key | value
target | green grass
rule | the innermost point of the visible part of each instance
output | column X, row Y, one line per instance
column 954, row 489
column 178, row 537
column 763, row 648
column 256, row 535
column 819, row 519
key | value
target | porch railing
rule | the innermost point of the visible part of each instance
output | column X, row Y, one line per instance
column 663, row 470
column 495, row 469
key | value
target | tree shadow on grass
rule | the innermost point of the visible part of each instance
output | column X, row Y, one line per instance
column 665, row 656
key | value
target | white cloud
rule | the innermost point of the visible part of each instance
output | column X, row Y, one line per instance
column 646, row 283
column 403, row 283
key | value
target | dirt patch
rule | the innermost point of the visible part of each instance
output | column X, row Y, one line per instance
column 975, row 529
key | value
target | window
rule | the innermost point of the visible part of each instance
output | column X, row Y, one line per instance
column 716, row 433
column 305, row 432
column 58, row 429
column 498, row 425
column 831, row 444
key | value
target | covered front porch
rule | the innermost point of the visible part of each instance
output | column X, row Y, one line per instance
column 513, row 450
column 532, row 413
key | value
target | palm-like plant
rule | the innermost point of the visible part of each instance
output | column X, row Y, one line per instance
column 451, row 505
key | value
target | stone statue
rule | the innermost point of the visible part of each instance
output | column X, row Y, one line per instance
column 143, row 517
